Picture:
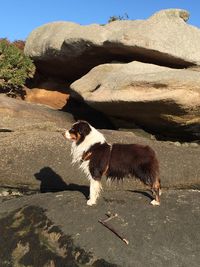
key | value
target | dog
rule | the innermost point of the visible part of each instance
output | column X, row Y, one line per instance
column 97, row 158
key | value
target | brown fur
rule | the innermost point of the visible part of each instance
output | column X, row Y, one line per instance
column 121, row 160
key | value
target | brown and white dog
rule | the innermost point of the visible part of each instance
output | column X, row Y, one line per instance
column 97, row 158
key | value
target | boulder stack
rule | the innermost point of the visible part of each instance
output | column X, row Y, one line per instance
column 137, row 72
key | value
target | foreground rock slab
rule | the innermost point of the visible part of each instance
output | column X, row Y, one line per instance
column 58, row 229
column 69, row 50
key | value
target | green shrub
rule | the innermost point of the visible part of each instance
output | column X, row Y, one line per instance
column 15, row 68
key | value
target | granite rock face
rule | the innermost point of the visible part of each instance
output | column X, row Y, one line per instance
column 162, row 100
column 70, row 50
column 51, row 98
column 18, row 115
column 151, row 76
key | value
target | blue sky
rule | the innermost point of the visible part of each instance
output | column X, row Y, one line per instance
column 19, row 17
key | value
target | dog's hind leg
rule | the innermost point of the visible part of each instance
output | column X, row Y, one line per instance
column 156, row 188
column 95, row 190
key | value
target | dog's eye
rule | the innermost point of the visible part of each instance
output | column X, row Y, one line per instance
column 72, row 130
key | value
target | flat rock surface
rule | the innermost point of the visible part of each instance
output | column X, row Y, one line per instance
column 59, row 229
column 41, row 159
column 19, row 115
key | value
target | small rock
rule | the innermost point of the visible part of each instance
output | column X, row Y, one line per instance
column 185, row 144
column 177, row 143
column 194, row 145
column 4, row 194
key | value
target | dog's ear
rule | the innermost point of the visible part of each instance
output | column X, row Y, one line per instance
column 84, row 129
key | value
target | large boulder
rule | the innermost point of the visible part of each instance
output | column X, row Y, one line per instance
column 70, row 50
column 162, row 100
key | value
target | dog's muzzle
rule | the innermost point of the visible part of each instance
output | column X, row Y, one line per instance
column 66, row 135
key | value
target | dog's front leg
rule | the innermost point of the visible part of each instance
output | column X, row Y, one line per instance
column 95, row 189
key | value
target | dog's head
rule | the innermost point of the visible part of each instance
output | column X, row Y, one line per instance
column 78, row 131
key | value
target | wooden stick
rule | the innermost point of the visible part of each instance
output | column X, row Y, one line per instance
column 112, row 229
column 110, row 216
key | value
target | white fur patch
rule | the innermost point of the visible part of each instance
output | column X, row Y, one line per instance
column 155, row 203
column 77, row 151
column 95, row 190
column 160, row 192
column 67, row 135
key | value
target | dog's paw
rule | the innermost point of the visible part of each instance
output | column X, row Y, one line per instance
column 90, row 202
column 155, row 203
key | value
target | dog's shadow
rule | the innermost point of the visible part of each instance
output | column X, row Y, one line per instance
column 146, row 194
column 53, row 182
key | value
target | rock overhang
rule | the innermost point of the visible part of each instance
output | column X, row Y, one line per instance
column 70, row 50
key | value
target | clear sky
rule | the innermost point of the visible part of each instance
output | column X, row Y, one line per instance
column 19, row 17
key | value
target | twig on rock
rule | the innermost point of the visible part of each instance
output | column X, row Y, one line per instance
column 111, row 228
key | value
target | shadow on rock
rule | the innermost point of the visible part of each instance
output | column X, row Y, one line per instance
column 29, row 238
column 53, row 182
column 146, row 194
column 82, row 111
